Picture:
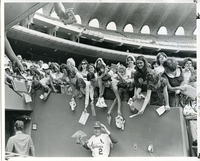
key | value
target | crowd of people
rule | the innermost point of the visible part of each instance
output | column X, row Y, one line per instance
column 163, row 80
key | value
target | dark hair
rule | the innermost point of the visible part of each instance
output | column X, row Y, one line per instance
column 80, row 82
column 106, row 77
column 153, row 63
column 33, row 70
column 24, row 65
column 146, row 65
column 152, row 77
column 186, row 60
column 158, row 56
column 80, row 65
column 170, row 64
column 54, row 65
column 90, row 76
column 63, row 66
column 51, row 66
column 91, row 64
column 98, row 69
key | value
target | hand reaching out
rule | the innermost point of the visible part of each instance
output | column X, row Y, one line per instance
column 183, row 88
column 60, row 11
column 79, row 140
column 167, row 107
column 140, row 112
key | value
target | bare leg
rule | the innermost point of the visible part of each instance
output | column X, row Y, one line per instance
column 111, row 107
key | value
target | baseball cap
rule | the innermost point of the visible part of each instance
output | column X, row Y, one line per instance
column 97, row 124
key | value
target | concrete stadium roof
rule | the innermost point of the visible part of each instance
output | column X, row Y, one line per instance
column 155, row 15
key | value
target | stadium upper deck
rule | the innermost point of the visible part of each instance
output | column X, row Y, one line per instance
column 171, row 16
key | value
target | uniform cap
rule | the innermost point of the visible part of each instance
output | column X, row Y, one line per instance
column 97, row 124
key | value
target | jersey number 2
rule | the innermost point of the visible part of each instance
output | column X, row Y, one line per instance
column 100, row 151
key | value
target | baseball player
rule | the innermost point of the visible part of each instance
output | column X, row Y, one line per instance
column 101, row 142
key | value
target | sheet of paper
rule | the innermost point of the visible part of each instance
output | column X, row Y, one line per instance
column 160, row 110
column 133, row 115
column 139, row 102
column 190, row 92
column 79, row 133
column 27, row 98
column 19, row 85
column 83, row 118
column 71, row 19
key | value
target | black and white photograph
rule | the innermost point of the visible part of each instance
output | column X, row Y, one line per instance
column 99, row 79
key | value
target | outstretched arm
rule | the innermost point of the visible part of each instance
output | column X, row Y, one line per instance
column 60, row 10
column 87, row 94
column 11, row 55
column 182, row 88
column 146, row 101
column 166, row 97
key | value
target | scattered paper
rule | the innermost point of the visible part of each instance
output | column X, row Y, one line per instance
column 84, row 117
column 160, row 110
column 79, row 133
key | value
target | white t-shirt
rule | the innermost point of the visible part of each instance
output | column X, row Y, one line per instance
column 159, row 70
column 100, row 145
column 129, row 72
column 45, row 81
